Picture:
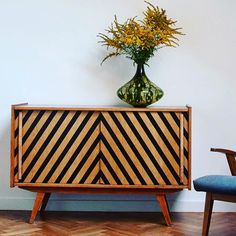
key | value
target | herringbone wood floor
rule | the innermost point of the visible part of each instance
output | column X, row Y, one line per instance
column 113, row 224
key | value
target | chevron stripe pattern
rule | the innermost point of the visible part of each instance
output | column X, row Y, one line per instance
column 102, row 147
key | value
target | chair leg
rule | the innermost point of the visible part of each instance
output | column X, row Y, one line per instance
column 207, row 214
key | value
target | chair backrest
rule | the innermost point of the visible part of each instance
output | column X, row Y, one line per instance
column 232, row 163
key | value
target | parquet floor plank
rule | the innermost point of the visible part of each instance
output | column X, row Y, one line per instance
column 15, row 223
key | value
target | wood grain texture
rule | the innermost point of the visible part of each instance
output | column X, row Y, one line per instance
column 37, row 204
column 20, row 147
column 161, row 198
column 14, row 223
column 181, row 151
column 111, row 146
column 190, row 147
column 100, row 108
column 12, row 156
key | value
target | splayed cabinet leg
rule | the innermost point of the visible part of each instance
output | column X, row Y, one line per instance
column 161, row 198
column 38, row 202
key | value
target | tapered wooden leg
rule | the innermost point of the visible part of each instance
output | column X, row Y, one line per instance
column 45, row 202
column 161, row 198
column 37, row 204
column 207, row 214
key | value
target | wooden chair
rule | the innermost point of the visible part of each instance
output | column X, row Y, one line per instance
column 217, row 187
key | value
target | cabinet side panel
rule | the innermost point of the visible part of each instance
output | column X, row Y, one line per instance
column 14, row 144
column 187, row 148
column 189, row 124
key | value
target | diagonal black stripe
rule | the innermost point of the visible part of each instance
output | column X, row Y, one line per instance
column 16, row 152
column 16, row 114
column 104, row 179
column 43, row 146
column 55, row 147
column 186, row 153
column 34, row 123
column 186, row 172
column 34, row 142
column 187, row 138
column 173, row 114
column 162, row 135
column 16, row 132
column 157, row 146
column 25, row 119
column 129, row 141
column 185, row 134
column 114, row 156
column 79, row 148
column 110, row 169
column 147, row 150
column 186, row 116
column 177, row 121
column 45, row 143
column 169, row 127
column 116, row 159
column 66, row 149
column 38, row 136
column 97, row 178
column 175, row 117
column 90, row 169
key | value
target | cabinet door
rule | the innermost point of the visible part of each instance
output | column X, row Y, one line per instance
column 56, row 147
column 144, row 148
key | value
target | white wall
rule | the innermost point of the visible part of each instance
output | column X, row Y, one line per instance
column 49, row 55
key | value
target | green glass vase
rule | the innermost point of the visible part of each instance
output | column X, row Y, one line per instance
column 140, row 91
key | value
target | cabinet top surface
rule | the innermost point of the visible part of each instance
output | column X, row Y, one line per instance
column 26, row 106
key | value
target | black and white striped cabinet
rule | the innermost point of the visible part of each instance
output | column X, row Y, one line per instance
column 113, row 149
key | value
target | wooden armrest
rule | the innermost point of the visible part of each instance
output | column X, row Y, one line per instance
column 230, row 155
column 225, row 151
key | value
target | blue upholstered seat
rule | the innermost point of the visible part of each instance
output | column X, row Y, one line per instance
column 216, row 184
column 217, row 187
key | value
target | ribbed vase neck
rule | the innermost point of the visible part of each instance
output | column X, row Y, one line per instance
column 140, row 69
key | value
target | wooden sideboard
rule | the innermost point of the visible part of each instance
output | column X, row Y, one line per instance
column 114, row 150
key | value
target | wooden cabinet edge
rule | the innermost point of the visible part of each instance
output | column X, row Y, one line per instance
column 94, row 108
column 81, row 186
column 190, row 148
column 12, row 141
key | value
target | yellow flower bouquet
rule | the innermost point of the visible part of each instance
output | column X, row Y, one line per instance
column 138, row 40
